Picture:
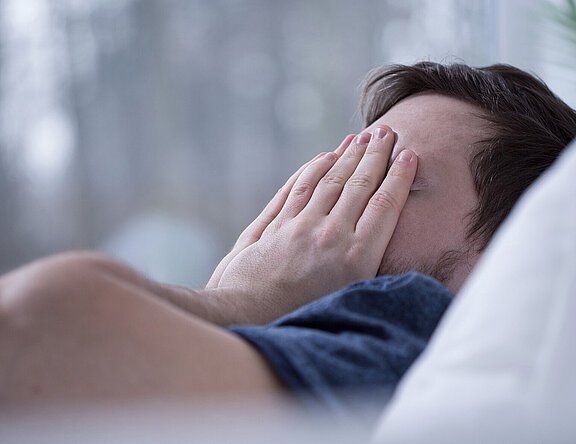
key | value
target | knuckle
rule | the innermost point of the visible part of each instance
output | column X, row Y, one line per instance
column 351, row 260
column 355, row 150
column 334, row 179
column 385, row 200
column 302, row 189
column 323, row 237
column 373, row 150
column 272, row 228
column 327, row 237
column 354, row 255
column 360, row 180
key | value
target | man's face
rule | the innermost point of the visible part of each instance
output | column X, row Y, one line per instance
column 431, row 233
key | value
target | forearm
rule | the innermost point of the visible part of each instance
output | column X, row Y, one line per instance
column 221, row 307
column 126, row 342
column 218, row 306
column 329, row 226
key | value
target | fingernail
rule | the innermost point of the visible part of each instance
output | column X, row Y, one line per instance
column 347, row 142
column 405, row 156
column 363, row 138
column 380, row 133
column 330, row 156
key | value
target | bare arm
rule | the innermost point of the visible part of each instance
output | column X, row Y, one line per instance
column 327, row 227
column 82, row 326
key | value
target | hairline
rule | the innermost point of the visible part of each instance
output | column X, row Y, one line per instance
column 476, row 148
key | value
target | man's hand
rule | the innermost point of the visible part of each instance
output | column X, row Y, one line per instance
column 326, row 228
column 254, row 231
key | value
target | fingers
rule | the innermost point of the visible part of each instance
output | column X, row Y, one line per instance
column 345, row 190
column 345, row 144
column 366, row 178
column 331, row 185
column 305, row 185
column 379, row 219
column 254, row 231
column 308, row 181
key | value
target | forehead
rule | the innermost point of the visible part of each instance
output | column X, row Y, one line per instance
column 434, row 126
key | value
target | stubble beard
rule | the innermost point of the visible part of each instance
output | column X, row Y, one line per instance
column 441, row 267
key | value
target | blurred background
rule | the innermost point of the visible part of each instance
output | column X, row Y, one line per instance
column 156, row 130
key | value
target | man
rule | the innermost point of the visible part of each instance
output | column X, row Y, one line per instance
column 446, row 153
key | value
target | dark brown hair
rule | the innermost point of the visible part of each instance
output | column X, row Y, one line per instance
column 529, row 126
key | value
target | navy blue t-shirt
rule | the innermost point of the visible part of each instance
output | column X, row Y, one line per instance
column 362, row 338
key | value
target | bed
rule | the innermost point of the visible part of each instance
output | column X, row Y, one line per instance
column 501, row 366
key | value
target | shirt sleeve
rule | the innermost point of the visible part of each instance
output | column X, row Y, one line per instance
column 361, row 339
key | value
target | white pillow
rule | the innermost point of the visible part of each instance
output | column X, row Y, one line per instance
column 502, row 365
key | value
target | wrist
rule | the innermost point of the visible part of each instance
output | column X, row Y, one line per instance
column 227, row 306
column 219, row 306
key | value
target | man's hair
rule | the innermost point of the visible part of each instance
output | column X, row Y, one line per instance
column 529, row 124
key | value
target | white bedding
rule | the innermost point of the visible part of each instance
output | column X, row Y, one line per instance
column 502, row 365
column 500, row 369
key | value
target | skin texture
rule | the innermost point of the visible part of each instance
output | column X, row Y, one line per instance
column 430, row 236
column 431, row 231
column 82, row 327
column 328, row 227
